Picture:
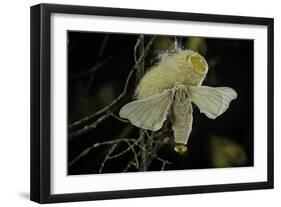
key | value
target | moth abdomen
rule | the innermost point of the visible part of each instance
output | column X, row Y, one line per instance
column 181, row 116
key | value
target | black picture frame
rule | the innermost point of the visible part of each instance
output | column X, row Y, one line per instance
column 40, row 102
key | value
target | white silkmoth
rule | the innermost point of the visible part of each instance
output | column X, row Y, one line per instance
column 169, row 88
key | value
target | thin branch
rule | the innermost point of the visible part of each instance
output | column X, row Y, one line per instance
column 136, row 49
column 154, row 142
column 154, row 155
column 127, row 149
column 141, row 69
column 143, row 145
column 139, row 74
column 94, row 125
column 110, row 157
column 163, row 166
column 88, row 127
column 118, row 118
column 98, row 59
column 102, row 47
column 133, row 162
column 136, row 158
column 107, row 157
column 91, row 70
column 95, row 145
column 147, row 134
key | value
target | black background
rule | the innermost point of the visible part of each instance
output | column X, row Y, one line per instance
column 234, row 69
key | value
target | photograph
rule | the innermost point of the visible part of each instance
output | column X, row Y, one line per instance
column 129, row 103
column 143, row 102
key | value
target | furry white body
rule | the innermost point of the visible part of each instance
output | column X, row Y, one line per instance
column 172, row 70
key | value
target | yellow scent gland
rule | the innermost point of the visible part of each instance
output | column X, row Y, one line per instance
column 198, row 64
column 180, row 148
column 186, row 67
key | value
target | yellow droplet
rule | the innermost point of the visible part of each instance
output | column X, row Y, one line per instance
column 180, row 148
column 198, row 64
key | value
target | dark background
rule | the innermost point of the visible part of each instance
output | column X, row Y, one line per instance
column 226, row 141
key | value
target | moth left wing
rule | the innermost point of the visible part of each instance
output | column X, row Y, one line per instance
column 212, row 101
column 149, row 113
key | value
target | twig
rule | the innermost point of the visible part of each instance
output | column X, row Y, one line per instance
column 143, row 145
column 107, row 157
column 154, row 155
column 130, row 146
column 118, row 118
column 92, row 70
column 139, row 154
column 163, row 165
column 110, row 157
column 155, row 141
column 136, row 158
column 133, row 161
column 140, row 71
column 86, row 128
column 136, row 49
column 98, row 59
column 95, row 145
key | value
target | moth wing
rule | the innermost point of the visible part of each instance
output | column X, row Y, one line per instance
column 212, row 101
column 149, row 113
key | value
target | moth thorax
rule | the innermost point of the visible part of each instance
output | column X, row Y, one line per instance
column 180, row 93
column 180, row 148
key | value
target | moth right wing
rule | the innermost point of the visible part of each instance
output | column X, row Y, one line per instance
column 212, row 101
column 149, row 113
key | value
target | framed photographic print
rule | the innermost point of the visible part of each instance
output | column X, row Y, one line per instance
column 133, row 103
